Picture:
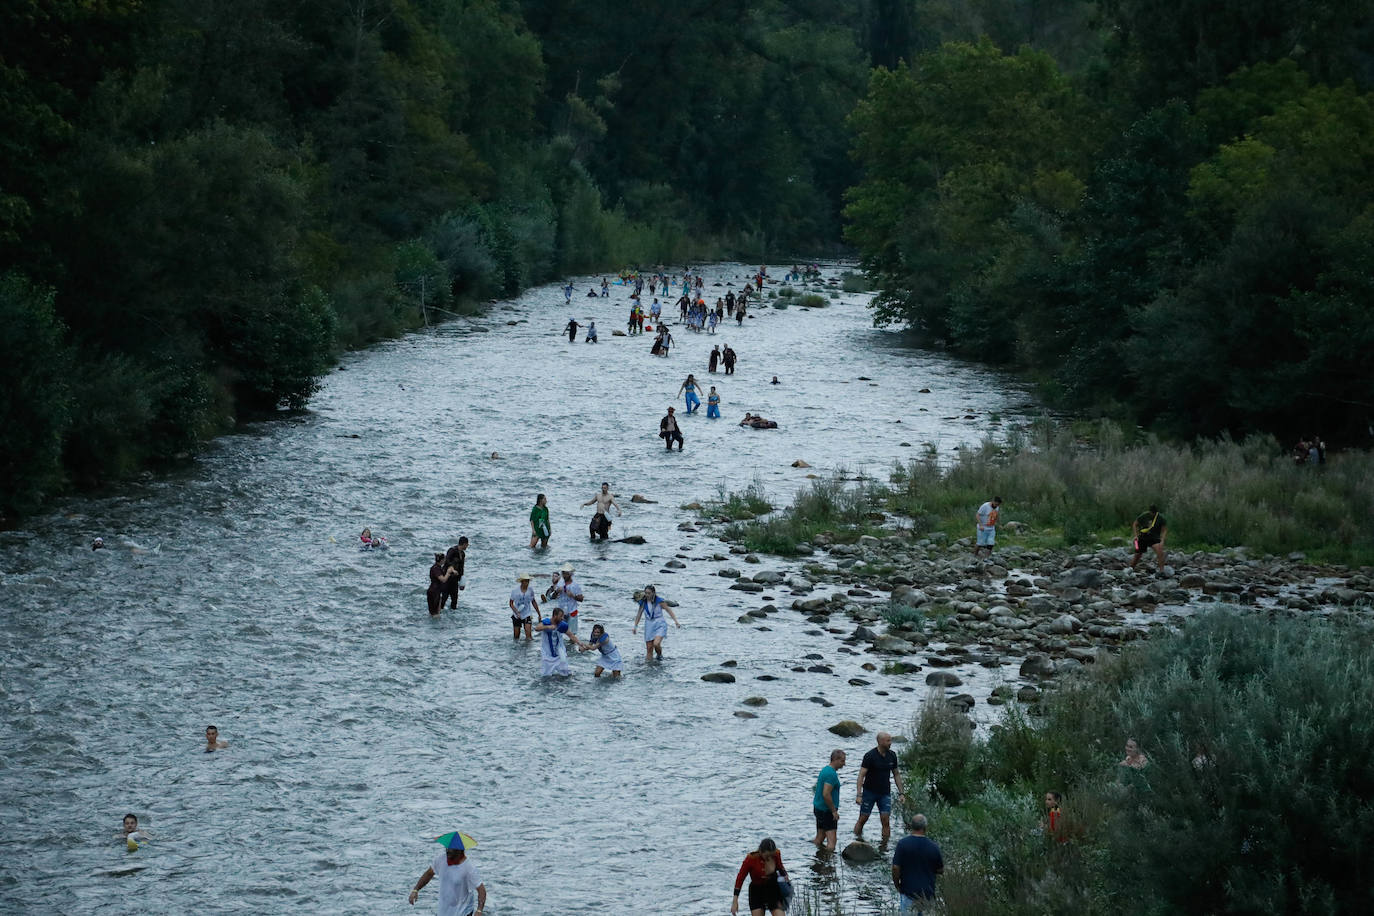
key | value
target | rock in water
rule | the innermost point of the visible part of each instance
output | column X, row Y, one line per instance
column 859, row 851
column 800, row 464
column 943, row 679
column 637, row 498
column 1037, row 666
column 847, row 729
column 632, row 539
column 719, row 677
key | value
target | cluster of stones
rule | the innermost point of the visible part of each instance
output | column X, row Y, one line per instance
column 924, row 603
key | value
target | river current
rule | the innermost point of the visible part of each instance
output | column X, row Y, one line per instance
column 232, row 592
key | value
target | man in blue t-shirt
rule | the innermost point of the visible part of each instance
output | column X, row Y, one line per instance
column 915, row 863
column 825, row 802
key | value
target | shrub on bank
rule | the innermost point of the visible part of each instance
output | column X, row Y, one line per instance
column 1257, row 796
column 828, row 505
column 1213, row 493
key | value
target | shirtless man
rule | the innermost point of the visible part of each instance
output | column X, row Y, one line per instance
column 601, row 522
column 212, row 742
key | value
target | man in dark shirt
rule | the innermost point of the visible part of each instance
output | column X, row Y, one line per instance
column 1149, row 530
column 915, row 863
column 877, row 772
column 668, row 431
column 455, row 561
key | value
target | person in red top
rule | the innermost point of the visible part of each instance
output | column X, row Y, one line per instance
column 1053, row 815
column 763, row 866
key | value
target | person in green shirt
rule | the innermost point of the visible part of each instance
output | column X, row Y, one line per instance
column 539, row 522
column 826, row 802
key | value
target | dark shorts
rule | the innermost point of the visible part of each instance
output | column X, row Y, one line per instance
column 825, row 819
column 765, row 894
column 1143, row 544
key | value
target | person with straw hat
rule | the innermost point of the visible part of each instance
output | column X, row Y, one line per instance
column 459, row 880
column 568, row 594
column 524, row 604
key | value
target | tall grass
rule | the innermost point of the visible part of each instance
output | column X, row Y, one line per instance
column 1257, row 797
column 1214, row 493
column 829, row 505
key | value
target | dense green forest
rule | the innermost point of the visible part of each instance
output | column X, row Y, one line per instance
column 1161, row 208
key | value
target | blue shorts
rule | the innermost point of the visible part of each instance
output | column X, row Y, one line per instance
column 914, row 905
column 986, row 536
column 868, row 799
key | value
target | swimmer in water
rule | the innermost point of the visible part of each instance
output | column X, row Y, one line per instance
column 775, row 381
column 131, row 833
column 98, row 544
column 212, row 742
column 610, row 655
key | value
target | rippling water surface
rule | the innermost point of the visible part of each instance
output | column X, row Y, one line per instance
column 359, row 728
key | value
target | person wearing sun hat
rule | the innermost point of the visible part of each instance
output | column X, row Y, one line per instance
column 459, row 880
column 524, row 604
column 568, row 594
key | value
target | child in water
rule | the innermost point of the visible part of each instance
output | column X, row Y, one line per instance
column 610, row 655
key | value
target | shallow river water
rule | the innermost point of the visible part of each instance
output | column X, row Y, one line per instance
column 233, row 593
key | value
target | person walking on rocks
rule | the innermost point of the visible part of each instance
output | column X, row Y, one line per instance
column 915, row 863
column 877, row 773
column 987, row 517
column 825, row 802
column 652, row 608
column 1148, row 531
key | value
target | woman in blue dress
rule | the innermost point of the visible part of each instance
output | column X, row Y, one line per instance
column 653, row 608
column 610, row 655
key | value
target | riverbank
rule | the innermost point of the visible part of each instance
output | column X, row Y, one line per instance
column 1066, row 489
column 1046, row 629
column 1254, row 736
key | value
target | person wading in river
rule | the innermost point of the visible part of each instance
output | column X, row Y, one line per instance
column 652, row 608
column 456, row 560
column 668, row 431
column 438, row 579
column 601, row 521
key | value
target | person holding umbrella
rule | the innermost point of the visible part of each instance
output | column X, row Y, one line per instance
column 459, row 879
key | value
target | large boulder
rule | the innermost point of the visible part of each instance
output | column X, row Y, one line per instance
column 889, row 643
column 1083, row 577
column 860, row 852
column 1064, row 625
column 847, row 728
column 943, row 679
column 1037, row 666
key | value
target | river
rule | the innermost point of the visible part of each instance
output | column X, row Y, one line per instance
column 232, row 592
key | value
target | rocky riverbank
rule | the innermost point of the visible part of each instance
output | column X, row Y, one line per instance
column 988, row 632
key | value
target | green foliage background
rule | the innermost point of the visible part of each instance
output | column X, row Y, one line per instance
column 1159, row 208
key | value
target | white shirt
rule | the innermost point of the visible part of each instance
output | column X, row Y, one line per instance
column 457, row 886
column 524, row 601
column 569, row 594
column 984, row 514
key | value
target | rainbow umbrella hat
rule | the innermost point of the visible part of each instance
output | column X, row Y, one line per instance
column 456, row 840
